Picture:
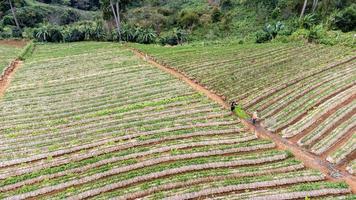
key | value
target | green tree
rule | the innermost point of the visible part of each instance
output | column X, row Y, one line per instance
column 146, row 36
column 188, row 19
column 42, row 33
column 13, row 11
column 303, row 9
column 345, row 20
column 113, row 8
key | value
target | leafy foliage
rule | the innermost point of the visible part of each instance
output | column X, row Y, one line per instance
column 269, row 32
column 345, row 20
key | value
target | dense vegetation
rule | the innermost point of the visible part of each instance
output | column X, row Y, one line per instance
column 92, row 120
column 174, row 22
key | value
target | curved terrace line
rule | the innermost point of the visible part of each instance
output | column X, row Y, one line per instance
column 310, row 160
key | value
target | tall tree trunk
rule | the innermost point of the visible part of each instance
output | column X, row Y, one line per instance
column 315, row 5
column 118, row 18
column 116, row 12
column 303, row 10
column 14, row 14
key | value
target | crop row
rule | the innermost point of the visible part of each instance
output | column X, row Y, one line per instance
column 299, row 191
column 300, row 80
column 104, row 175
column 300, row 92
column 345, row 150
column 321, row 110
column 335, row 136
column 270, row 72
column 351, row 168
column 242, row 76
column 297, row 108
column 324, row 127
column 189, row 179
column 132, row 132
column 111, row 148
column 231, row 185
column 110, row 158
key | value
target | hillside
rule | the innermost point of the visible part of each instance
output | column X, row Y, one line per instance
column 92, row 119
column 32, row 13
column 304, row 93
column 174, row 22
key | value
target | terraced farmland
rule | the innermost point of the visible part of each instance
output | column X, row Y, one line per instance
column 87, row 120
column 305, row 93
column 8, row 52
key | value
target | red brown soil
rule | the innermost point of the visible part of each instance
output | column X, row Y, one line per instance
column 315, row 105
column 310, row 160
column 339, row 143
column 323, row 118
column 14, row 43
column 5, row 79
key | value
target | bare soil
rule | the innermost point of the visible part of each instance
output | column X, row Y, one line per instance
column 310, row 160
column 14, row 43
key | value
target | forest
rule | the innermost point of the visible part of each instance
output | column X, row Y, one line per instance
column 175, row 22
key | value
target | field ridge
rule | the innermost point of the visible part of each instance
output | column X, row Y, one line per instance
column 307, row 158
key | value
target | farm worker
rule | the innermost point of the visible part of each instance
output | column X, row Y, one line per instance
column 233, row 106
column 254, row 117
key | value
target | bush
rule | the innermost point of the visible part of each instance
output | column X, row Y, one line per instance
column 8, row 20
column 98, row 32
column 48, row 33
column 6, row 32
column 269, row 32
column 128, row 33
column 175, row 37
column 226, row 4
column 345, row 20
column 55, row 34
column 31, row 16
column 69, row 17
column 300, row 34
column 28, row 33
column 146, row 36
column 316, row 33
column 308, row 21
column 216, row 15
column 16, row 32
column 73, row 34
column 262, row 36
column 93, row 30
column 188, row 19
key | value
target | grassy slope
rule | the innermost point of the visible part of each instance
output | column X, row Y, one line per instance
column 85, row 15
column 7, row 54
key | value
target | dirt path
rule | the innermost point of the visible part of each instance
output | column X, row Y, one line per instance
column 182, row 77
column 310, row 160
column 5, row 79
